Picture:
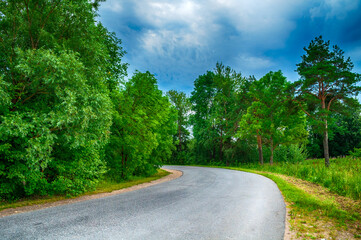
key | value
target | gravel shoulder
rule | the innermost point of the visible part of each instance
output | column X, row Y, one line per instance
column 11, row 211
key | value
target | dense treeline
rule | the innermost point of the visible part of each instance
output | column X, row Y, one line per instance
column 238, row 119
column 68, row 118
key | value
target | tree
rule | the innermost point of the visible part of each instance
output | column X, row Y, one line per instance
column 344, row 132
column 182, row 105
column 56, row 65
column 272, row 116
column 142, row 126
column 227, row 83
column 217, row 105
column 203, row 128
column 327, row 84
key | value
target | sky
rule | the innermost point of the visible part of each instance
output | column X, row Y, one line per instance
column 178, row 40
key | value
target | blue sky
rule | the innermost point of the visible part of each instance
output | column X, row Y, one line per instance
column 178, row 40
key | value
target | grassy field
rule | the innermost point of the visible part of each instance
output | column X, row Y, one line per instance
column 103, row 187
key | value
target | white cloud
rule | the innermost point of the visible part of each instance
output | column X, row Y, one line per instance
column 334, row 8
column 255, row 20
column 162, row 13
column 167, row 42
column 112, row 5
column 245, row 61
column 259, row 21
column 203, row 21
column 183, row 38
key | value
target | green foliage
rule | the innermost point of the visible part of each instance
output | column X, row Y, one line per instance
column 272, row 115
column 57, row 66
column 104, row 186
column 142, row 129
column 356, row 152
column 217, row 103
column 327, row 84
column 182, row 105
column 67, row 117
column 203, row 131
column 345, row 134
column 292, row 153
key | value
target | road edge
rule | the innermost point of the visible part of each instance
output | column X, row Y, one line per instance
column 12, row 211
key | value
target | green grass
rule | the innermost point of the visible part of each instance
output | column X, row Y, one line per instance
column 313, row 216
column 109, row 186
column 305, row 201
column 342, row 177
column 103, row 187
column 317, row 213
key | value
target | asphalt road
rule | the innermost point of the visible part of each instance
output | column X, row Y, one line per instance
column 205, row 203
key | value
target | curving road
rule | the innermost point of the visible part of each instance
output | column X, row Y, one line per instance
column 205, row 203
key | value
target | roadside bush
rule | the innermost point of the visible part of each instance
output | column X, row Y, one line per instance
column 293, row 153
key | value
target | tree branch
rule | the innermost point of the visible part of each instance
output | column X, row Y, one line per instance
column 29, row 23
column 299, row 103
column 46, row 19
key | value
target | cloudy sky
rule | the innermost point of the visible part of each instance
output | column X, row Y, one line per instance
column 178, row 40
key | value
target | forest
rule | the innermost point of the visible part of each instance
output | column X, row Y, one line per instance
column 68, row 117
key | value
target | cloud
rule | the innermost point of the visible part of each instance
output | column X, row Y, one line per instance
column 204, row 20
column 112, row 6
column 334, row 8
column 254, row 62
column 179, row 40
column 259, row 20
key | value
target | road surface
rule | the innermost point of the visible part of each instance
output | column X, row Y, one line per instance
column 205, row 203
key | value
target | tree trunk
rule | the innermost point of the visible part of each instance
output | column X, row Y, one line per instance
column 221, row 147
column 123, row 163
column 228, row 144
column 271, row 157
column 325, row 145
column 260, row 152
column 213, row 155
column 325, row 137
column 179, row 136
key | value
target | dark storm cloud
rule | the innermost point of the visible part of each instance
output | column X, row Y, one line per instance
column 180, row 40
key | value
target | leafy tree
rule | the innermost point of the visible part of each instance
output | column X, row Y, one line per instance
column 203, row 129
column 271, row 115
column 217, row 103
column 345, row 135
column 227, row 83
column 327, row 83
column 143, row 125
column 182, row 105
column 57, row 65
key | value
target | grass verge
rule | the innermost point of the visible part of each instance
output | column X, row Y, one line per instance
column 314, row 212
column 103, row 187
column 343, row 177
